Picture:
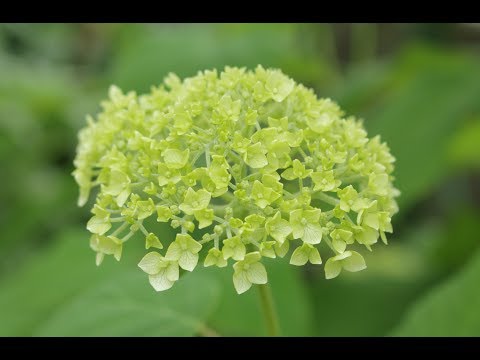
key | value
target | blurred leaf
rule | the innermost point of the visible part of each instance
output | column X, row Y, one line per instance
column 371, row 302
column 435, row 95
column 70, row 293
column 415, row 103
column 240, row 315
column 464, row 149
column 450, row 309
column 146, row 54
column 61, row 291
column 462, row 228
column 31, row 294
column 363, row 87
column 41, row 104
column 126, row 305
column 32, row 210
column 51, row 42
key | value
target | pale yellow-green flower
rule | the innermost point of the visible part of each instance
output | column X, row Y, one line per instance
column 245, row 165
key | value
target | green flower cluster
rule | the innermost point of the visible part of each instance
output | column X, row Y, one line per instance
column 246, row 164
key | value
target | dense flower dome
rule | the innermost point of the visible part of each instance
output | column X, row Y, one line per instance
column 246, row 165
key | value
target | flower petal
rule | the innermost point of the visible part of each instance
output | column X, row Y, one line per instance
column 160, row 281
column 332, row 268
column 354, row 262
column 188, row 261
column 241, row 282
column 257, row 274
column 151, row 263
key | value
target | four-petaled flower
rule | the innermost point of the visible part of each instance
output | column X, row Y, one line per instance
column 278, row 228
column 162, row 272
column 305, row 225
column 249, row 271
column 234, row 248
column 304, row 254
column 175, row 159
column 195, row 201
column 348, row 260
column 184, row 250
column 297, row 171
column 262, row 195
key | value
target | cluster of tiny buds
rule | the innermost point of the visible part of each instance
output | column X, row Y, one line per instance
column 246, row 165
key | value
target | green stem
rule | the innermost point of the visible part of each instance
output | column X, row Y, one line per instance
column 326, row 198
column 268, row 309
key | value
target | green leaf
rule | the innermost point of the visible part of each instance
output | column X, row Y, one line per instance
column 125, row 305
column 396, row 275
column 139, row 53
column 432, row 94
column 55, row 276
column 450, row 309
column 461, row 225
column 464, row 149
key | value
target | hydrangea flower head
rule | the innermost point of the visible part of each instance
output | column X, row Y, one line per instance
column 245, row 165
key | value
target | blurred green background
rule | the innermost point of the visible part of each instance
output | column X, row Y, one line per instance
column 417, row 85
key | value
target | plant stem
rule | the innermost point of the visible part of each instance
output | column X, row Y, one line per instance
column 326, row 198
column 268, row 309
